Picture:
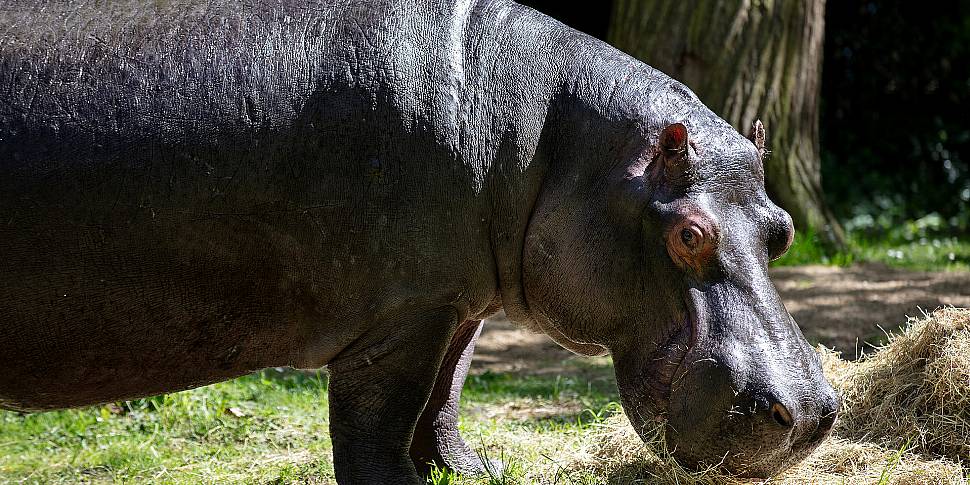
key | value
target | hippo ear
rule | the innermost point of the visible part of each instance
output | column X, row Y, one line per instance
column 757, row 136
column 673, row 149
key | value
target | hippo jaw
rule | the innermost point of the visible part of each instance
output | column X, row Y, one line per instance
column 646, row 383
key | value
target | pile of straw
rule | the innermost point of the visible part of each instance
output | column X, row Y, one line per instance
column 915, row 391
column 905, row 419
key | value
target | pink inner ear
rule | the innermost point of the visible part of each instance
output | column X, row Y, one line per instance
column 676, row 135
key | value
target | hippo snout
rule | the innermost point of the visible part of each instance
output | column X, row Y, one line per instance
column 811, row 426
column 806, row 425
column 751, row 425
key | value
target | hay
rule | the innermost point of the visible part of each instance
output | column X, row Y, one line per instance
column 621, row 457
column 915, row 390
column 905, row 420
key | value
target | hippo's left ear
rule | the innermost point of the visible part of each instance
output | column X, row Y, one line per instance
column 673, row 150
column 757, row 136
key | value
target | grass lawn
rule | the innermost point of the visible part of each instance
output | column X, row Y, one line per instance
column 268, row 426
column 271, row 427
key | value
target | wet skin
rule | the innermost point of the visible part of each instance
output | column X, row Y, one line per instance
column 193, row 191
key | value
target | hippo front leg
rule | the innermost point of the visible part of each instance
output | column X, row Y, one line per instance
column 436, row 437
column 377, row 393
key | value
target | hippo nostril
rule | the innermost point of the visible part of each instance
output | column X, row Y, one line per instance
column 825, row 423
column 781, row 415
column 829, row 412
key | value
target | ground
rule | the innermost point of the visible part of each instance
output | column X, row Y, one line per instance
column 527, row 402
column 846, row 307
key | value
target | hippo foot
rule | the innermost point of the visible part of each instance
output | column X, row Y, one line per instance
column 436, row 439
column 449, row 450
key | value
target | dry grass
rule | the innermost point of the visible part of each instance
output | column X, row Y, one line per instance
column 905, row 419
column 916, row 389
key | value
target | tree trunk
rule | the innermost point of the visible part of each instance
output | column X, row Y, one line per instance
column 747, row 60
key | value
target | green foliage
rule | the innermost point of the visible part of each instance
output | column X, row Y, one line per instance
column 909, row 245
column 894, row 127
column 948, row 254
column 808, row 248
column 442, row 476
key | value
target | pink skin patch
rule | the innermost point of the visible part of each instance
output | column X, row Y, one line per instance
column 678, row 134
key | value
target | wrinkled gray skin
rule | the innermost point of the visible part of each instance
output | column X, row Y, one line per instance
column 190, row 192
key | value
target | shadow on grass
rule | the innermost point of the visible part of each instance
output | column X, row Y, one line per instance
column 295, row 379
column 493, row 385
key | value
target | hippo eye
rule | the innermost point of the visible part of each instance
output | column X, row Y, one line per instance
column 687, row 237
column 692, row 242
column 691, row 237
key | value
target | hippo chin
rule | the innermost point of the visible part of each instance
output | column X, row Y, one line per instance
column 190, row 191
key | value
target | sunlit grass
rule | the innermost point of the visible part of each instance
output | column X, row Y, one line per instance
column 272, row 427
column 261, row 427
column 942, row 254
column 923, row 253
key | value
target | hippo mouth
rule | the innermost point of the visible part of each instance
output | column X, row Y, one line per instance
column 646, row 393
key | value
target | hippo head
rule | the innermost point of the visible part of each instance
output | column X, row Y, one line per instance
column 661, row 260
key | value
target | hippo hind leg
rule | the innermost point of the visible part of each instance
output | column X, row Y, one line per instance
column 436, row 439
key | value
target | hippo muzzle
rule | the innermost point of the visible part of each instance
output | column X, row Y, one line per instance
column 743, row 391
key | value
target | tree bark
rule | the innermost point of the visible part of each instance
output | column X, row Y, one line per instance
column 747, row 60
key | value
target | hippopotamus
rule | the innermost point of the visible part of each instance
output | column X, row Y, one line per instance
column 194, row 190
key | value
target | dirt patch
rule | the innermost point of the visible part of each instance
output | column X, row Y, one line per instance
column 845, row 307
column 507, row 347
column 839, row 307
column 528, row 410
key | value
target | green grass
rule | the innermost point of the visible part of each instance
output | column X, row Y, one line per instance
column 807, row 248
column 943, row 254
column 918, row 253
column 264, row 427
column 272, row 427
column 892, row 463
